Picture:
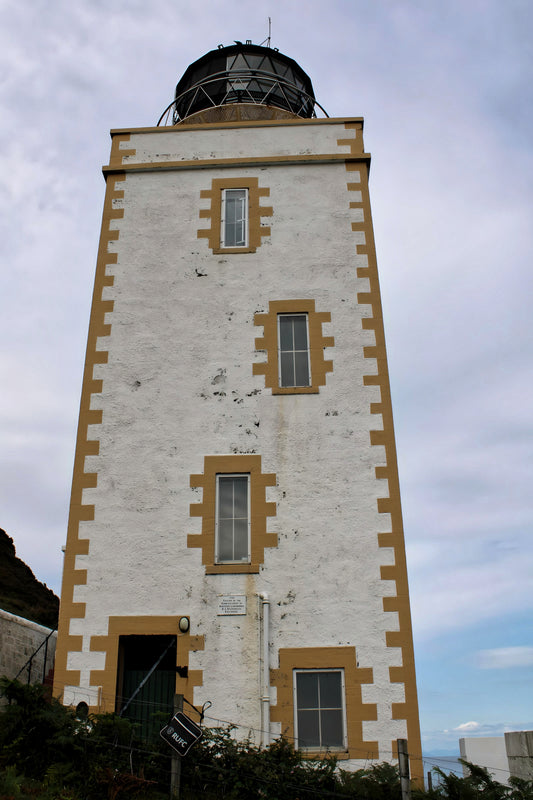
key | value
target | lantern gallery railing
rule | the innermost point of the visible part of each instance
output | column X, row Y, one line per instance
column 235, row 86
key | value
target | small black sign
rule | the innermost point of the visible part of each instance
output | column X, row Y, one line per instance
column 181, row 733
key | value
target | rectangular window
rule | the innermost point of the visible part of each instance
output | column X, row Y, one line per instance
column 232, row 535
column 293, row 339
column 319, row 709
column 234, row 218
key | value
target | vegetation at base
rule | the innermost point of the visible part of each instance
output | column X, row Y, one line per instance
column 47, row 753
column 20, row 591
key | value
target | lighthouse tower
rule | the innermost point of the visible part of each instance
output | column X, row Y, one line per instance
column 235, row 521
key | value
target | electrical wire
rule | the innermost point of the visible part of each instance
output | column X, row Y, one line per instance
column 360, row 753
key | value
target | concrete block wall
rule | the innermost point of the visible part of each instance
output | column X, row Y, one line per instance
column 505, row 756
column 19, row 638
column 519, row 747
column 486, row 751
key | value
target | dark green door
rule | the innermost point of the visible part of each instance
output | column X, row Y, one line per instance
column 153, row 705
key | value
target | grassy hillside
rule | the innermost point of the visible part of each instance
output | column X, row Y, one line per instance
column 20, row 591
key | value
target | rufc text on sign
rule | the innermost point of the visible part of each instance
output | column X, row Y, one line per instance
column 181, row 733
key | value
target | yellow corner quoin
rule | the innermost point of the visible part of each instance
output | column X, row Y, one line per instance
column 259, row 511
column 402, row 638
column 214, row 213
column 357, row 712
column 80, row 512
column 269, row 342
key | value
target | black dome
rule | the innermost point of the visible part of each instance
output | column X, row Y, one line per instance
column 244, row 73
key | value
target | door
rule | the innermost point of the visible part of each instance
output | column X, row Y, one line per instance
column 153, row 704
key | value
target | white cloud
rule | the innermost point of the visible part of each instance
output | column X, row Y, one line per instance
column 505, row 657
column 468, row 727
column 447, row 740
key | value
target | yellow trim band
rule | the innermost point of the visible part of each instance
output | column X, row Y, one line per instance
column 259, row 161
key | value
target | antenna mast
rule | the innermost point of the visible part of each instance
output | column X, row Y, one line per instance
column 267, row 40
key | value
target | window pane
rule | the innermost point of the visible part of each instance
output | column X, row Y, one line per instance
column 319, row 709
column 233, row 518
column 308, row 729
column 307, row 689
column 301, row 364
column 254, row 61
column 330, row 690
column 230, row 240
column 287, row 369
column 300, row 333
column 240, row 234
column 331, row 728
column 240, row 495
column 231, row 208
column 238, row 63
column 235, row 217
column 293, row 350
column 225, row 540
column 235, row 194
column 285, row 333
column 225, row 498
column 240, row 529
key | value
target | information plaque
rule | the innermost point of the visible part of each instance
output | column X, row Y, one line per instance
column 230, row 605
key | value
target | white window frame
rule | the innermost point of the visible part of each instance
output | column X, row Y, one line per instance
column 245, row 219
column 321, row 748
column 309, row 379
column 248, row 558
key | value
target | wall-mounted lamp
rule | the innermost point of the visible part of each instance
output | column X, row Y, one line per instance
column 184, row 624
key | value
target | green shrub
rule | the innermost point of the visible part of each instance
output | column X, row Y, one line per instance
column 46, row 753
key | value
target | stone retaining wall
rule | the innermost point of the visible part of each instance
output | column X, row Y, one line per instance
column 19, row 639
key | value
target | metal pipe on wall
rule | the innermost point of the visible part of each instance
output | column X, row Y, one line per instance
column 265, row 689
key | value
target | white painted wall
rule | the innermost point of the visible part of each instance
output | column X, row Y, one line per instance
column 183, row 144
column 182, row 317
column 488, row 752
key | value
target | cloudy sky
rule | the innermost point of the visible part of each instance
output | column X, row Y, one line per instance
column 445, row 89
